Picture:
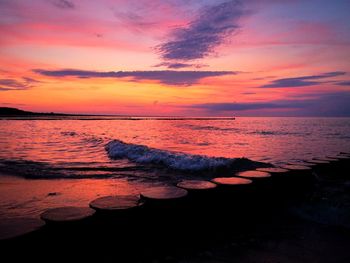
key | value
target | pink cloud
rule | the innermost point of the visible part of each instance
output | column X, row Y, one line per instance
column 111, row 24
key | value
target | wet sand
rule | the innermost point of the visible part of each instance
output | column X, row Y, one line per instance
column 19, row 196
column 312, row 228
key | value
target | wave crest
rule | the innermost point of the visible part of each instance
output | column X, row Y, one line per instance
column 117, row 149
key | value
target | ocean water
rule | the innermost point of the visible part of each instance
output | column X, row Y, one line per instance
column 70, row 161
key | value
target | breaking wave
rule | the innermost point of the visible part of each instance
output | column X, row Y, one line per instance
column 117, row 149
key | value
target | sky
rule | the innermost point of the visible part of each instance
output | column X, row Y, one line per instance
column 176, row 57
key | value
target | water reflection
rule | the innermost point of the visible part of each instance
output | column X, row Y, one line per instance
column 273, row 139
column 75, row 148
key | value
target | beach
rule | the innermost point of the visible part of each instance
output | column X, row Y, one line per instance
column 312, row 228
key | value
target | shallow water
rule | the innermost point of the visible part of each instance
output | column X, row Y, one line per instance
column 69, row 148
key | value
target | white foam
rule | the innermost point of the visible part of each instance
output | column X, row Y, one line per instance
column 175, row 160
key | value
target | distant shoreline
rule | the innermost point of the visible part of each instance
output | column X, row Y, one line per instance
column 17, row 114
column 14, row 112
column 7, row 113
column 105, row 117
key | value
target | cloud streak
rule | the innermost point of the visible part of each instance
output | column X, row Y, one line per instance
column 302, row 81
column 168, row 77
column 343, row 83
column 64, row 4
column 12, row 84
column 333, row 104
column 235, row 106
column 178, row 65
column 203, row 34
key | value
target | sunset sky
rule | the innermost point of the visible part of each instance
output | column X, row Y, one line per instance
column 176, row 57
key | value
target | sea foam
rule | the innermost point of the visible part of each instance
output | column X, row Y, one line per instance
column 174, row 160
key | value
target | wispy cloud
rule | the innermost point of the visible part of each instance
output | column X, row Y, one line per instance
column 64, row 4
column 204, row 33
column 7, row 89
column 343, row 83
column 302, row 81
column 13, row 84
column 10, row 83
column 169, row 77
column 178, row 65
column 333, row 104
column 236, row 106
column 31, row 80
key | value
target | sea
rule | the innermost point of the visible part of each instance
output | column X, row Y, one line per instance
column 69, row 161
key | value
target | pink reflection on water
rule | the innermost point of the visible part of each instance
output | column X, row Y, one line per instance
column 29, row 198
column 80, row 144
column 270, row 139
